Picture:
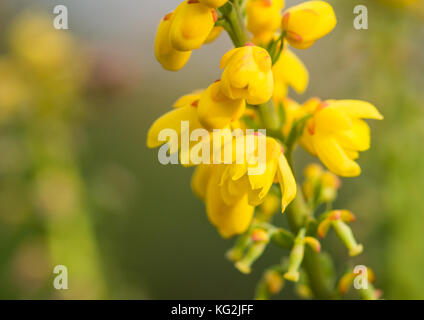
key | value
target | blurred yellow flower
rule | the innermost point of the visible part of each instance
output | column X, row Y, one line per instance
column 38, row 44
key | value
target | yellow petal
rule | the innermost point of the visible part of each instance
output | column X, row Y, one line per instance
column 229, row 220
column 199, row 181
column 261, row 183
column 216, row 110
column 215, row 33
column 248, row 74
column 289, row 70
column 264, row 15
column 189, row 99
column 172, row 120
column 191, row 24
column 287, row 182
column 331, row 119
column 358, row 109
column 170, row 58
column 358, row 138
column 334, row 157
column 308, row 22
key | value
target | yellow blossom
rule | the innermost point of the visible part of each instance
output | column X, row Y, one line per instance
column 264, row 16
column 39, row 45
column 336, row 133
column 308, row 22
column 216, row 110
column 248, row 74
column 185, row 110
column 230, row 218
column 191, row 24
column 215, row 33
column 169, row 58
column 289, row 70
column 257, row 186
column 231, row 191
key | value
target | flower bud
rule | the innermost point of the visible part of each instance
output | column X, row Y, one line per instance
column 191, row 25
column 330, row 184
column 252, row 254
column 248, row 74
column 344, row 232
column 313, row 172
column 167, row 56
column 260, row 235
column 216, row 110
column 296, row 257
column 308, row 22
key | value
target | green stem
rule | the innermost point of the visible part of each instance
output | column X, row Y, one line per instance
column 237, row 28
column 270, row 117
column 298, row 212
column 298, row 215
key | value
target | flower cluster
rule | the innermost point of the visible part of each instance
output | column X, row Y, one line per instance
column 252, row 94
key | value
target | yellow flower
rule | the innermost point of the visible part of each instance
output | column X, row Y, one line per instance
column 38, row 45
column 264, row 16
column 336, row 133
column 231, row 191
column 241, row 177
column 170, row 58
column 308, row 22
column 248, row 74
column 191, row 24
column 214, row 3
column 289, row 70
column 216, row 110
column 230, row 218
column 215, row 33
column 185, row 110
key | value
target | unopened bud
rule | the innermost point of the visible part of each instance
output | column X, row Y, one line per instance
column 313, row 171
column 296, row 257
column 252, row 254
column 260, row 235
column 344, row 232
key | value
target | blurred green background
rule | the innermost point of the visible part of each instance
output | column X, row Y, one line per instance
column 79, row 187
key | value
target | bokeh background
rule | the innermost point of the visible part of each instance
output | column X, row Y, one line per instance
column 78, row 186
